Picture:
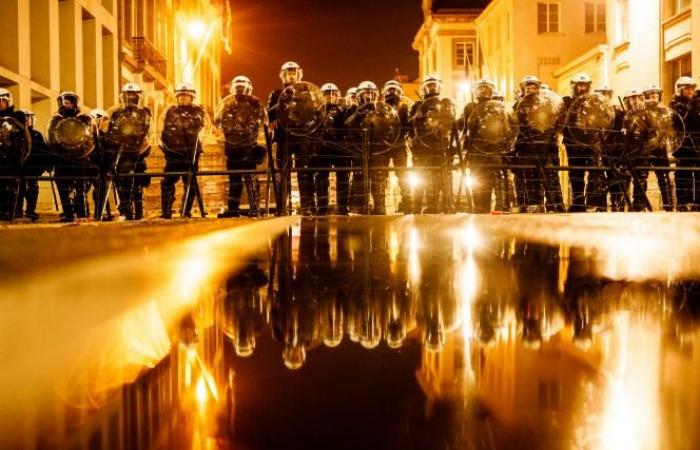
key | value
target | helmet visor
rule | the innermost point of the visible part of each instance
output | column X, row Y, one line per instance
column 291, row 76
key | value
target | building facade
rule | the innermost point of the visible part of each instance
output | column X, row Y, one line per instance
column 531, row 37
column 447, row 44
column 49, row 46
column 647, row 42
column 621, row 43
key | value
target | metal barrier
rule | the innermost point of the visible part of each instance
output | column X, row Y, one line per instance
column 452, row 176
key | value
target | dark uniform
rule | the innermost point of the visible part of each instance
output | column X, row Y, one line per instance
column 379, row 156
column 10, row 164
column 688, row 154
column 39, row 161
column 289, row 145
column 533, row 184
column 653, row 155
column 427, row 150
column 70, row 171
column 583, row 194
column 489, row 179
column 242, row 153
column 130, row 149
column 180, row 140
column 617, row 178
column 399, row 154
column 329, row 153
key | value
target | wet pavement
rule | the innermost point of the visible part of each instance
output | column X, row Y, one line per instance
column 444, row 332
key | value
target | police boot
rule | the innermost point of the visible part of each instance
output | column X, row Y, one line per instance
column 67, row 215
column 32, row 199
column 166, row 207
column 138, row 210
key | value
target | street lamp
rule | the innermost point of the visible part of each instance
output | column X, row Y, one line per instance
column 196, row 29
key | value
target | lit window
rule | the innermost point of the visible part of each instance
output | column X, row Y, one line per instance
column 463, row 54
column 595, row 17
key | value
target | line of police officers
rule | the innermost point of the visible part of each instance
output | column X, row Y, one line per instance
column 356, row 134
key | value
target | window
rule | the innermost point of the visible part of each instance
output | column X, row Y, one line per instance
column 595, row 17
column 679, row 67
column 622, row 20
column 548, row 18
column 463, row 52
column 673, row 7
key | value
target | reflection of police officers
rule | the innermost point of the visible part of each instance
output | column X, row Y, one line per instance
column 583, row 194
column 10, row 162
column 244, row 309
column 427, row 148
column 241, row 147
column 330, row 152
column 38, row 162
column 486, row 179
column 393, row 94
column 180, row 140
column 289, row 145
column 379, row 154
column 70, row 172
column 687, row 106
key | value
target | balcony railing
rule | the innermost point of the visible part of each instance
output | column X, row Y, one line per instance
column 146, row 53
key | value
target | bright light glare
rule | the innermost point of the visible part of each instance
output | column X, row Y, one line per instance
column 470, row 181
column 414, row 180
column 196, row 29
column 202, row 393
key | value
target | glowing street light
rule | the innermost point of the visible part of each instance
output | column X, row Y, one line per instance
column 196, row 30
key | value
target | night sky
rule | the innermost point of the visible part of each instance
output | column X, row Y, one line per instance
column 339, row 41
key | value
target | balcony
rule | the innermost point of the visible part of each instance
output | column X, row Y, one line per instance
column 149, row 59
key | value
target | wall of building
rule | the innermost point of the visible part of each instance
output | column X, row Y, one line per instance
column 436, row 43
column 512, row 47
column 49, row 46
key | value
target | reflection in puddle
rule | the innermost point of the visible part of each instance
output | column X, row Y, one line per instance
column 402, row 334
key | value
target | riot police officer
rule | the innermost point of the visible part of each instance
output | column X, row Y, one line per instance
column 533, row 148
column 657, row 155
column 289, row 145
column 428, row 148
column 126, row 139
column 687, row 181
column 488, row 179
column 330, row 152
column 393, row 95
column 10, row 163
column 240, row 117
column 70, row 172
column 38, row 162
column 180, row 143
column 633, row 102
column 367, row 98
column 617, row 181
column 583, row 194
